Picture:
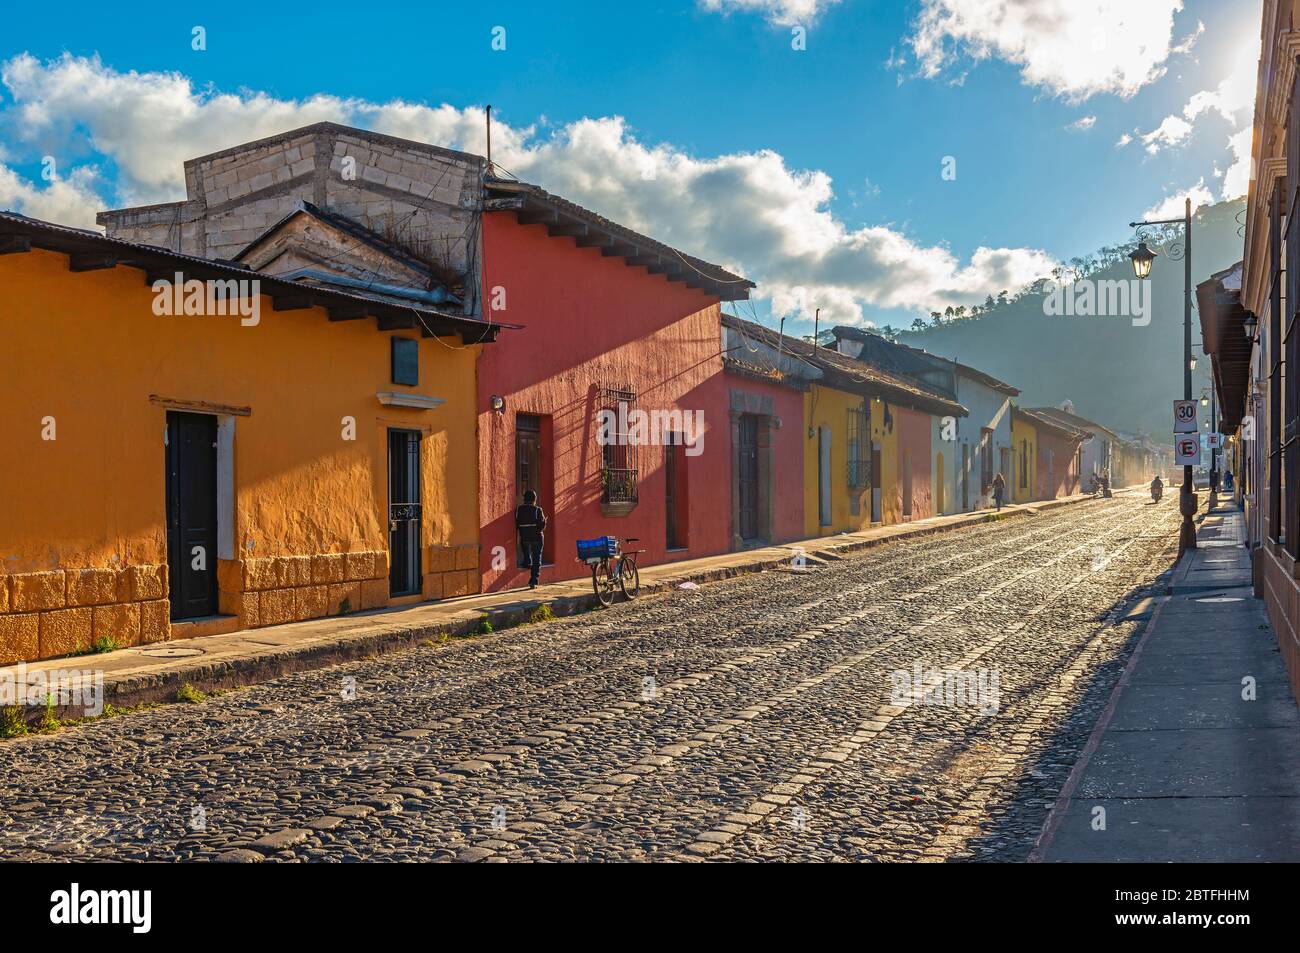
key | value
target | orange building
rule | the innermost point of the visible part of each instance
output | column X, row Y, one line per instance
column 191, row 447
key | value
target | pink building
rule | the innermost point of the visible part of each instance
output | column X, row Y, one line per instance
column 617, row 328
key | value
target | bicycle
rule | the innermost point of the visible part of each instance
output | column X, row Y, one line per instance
column 612, row 567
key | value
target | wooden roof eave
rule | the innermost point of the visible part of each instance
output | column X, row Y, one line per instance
column 533, row 209
column 94, row 252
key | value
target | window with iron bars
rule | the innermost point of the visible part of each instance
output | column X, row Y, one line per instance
column 620, row 472
column 859, row 447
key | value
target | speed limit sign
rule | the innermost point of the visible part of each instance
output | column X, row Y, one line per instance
column 1185, row 416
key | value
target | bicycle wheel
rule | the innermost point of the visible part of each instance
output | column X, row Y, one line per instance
column 603, row 582
column 629, row 578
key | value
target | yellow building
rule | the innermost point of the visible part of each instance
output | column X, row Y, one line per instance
column 222, row 451
column 866, row 433
column 834, row 419
column 1024, row 458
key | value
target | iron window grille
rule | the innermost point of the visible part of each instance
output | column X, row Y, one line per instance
column 859, row 448
column 620, row 470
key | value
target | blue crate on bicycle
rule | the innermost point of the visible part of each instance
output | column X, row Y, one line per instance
column 602, row 547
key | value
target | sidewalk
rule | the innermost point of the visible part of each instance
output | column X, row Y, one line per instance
column 1184, row 767
column 154, row 673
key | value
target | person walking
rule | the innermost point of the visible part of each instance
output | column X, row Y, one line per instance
column 999, row 490
column 530, row 522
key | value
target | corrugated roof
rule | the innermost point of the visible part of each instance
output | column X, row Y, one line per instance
column 851, row 375
column 1059, row 428
column 666, row 259
column 1072, row 420
column 974, row 373
column 345, row 225
column 28, row 233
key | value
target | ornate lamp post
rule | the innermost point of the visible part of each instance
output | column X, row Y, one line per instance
column 1142, row 257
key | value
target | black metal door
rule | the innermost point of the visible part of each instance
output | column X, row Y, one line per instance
column 192, row 514
column 404, row 512
column 748, row 476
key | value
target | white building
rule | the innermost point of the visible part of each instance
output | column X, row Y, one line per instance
column 967, row 452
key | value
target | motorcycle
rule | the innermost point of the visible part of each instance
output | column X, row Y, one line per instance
column 1157, row 491
column 1100, row 486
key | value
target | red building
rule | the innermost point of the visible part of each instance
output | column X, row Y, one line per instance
column 1059, row 459
column 766, row 387
column 611, row 403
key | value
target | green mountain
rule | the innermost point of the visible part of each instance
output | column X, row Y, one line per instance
column 1123, row 376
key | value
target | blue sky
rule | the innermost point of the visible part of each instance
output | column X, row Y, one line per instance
column 853, row 129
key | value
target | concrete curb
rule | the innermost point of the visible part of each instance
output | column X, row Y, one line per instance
column 160, row 683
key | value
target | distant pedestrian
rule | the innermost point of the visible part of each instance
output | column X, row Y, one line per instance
column 1227, row 481
column 530, row 522
column 999, row 490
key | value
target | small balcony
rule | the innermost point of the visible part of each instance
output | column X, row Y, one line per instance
column 618, row 491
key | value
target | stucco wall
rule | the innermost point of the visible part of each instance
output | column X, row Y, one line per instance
column 913, row 429
column 589, row 320
column 828, row 407
column 1097, row 455
column 87, row 350
column 988, row 408
column 1024, row 436
column 1058, row 466
column 787, row 449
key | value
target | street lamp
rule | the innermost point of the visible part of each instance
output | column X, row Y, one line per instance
column 1205, row 400
column 1142, row 256
column 1250, row 324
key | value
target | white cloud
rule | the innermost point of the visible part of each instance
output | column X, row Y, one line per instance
column 1171, row 131
column 777, row 12
column 1070, row 48
column 1173, row 206
column 1123, row 140
column 1083, row 123
column 1237, row 179
column 69, row 201
column 748, row 210
column 1232, row 99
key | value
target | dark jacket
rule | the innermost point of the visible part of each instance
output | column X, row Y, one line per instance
column 530, row 521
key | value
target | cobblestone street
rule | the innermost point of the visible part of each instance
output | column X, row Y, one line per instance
column 745, row 720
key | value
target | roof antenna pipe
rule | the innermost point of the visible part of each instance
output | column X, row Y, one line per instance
column 489, row 139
